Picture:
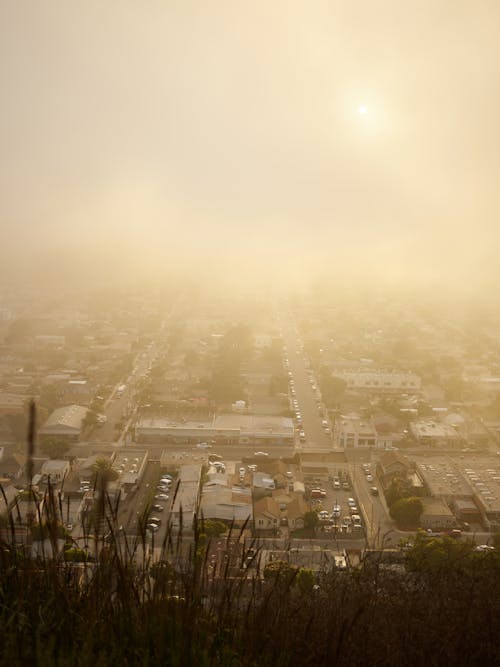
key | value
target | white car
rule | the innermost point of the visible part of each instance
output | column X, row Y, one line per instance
column 203, row 445
column 260, row 454
column 153, row 527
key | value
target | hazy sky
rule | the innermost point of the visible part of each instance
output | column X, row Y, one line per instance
column 158, row 131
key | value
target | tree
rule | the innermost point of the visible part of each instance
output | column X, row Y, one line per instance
column 280, row 571
column 332, row 387
column 305, row 579
column 407, row 511
column 103, row 471
column 54, row 448
column 398, row 488
column 435, row 554
column 311, row 520
column 212, row 528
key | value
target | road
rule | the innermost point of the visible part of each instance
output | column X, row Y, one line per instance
column 316, row 438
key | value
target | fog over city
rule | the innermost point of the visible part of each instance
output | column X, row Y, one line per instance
column 326, row 139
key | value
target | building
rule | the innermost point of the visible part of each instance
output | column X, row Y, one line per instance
column 353, row 432
column 230, row 429
column 393, row 465
column 261, row 480
column 379, row 381
column 130, row 466
column 187, row 498
column 437, row 435
column 66, row 422
column 436, row 515
column 12, row 404
column 55, row 470
column 224, row 502
column 295, row 511
column 266, row 515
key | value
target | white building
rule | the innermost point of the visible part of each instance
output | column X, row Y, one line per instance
column 55, row 470
column 378, row 381
column 353, row 432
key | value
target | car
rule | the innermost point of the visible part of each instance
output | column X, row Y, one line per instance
column 167, row 476
column 484, row 547
column 327, row 431
column 346, row 486
column 369, row 478
column 324, row 423
column 374, row 491
column 153, row 527
column 336, row 485
column 455, row 533
column 203, row 445
column 353, row 509
column 163, row 489
column 158, row 508
column 351, row 501
column 336, row 510
column 69, row 527
column 161, row 496
column 261, row 454
column 302, row 436
column 324, row 514
column 242, row 471
column 154, row 519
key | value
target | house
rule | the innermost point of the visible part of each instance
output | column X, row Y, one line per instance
column 295, row 512
column 266, row 515
column 262, row 480
column 226, row 503
column 392, row 465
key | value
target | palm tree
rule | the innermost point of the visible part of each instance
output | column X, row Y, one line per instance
column 104, row 472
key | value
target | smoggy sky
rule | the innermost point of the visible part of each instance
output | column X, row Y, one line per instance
column 157, row 131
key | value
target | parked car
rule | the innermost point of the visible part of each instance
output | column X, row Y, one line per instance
column 374, row 491
column 161, row 496
column 153, row 527
column 158, row 508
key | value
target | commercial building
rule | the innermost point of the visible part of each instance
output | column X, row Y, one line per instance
column 230, row 429
column 187, row 498
column 66, row 422
column 378, row 381
column 437, row 435
column 353, row 432
column 436, row 515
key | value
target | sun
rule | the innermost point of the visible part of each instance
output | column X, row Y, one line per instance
column 362, row 110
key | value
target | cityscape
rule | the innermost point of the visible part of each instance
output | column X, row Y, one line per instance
column 249, row 334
